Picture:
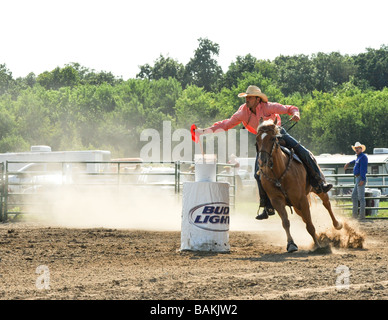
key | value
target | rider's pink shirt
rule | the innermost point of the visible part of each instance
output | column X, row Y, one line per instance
column 265, row 110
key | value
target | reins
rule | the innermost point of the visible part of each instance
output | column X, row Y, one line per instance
column 289, row 120
column 277, row 181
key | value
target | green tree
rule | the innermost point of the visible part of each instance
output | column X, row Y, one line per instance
column 295, row 74
column 145, row 72
column 374, row 111
column 267, row 68
column 163, row 68
column 333, row 121
column 203, row 70
column 28, row 81
column 33, row 118
column 373, row 67
column 236, row 69
column 6, row 80
column 331, row 70
column 59, row 77
column 91, row 76
column 196, row 106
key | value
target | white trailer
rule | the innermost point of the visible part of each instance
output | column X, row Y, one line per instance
column 43, row 166
column 44, row 153
column 333, row 164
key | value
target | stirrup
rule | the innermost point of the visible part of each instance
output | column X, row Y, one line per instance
column 265, row 214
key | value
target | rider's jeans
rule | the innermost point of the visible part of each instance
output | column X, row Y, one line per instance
column 358, row 195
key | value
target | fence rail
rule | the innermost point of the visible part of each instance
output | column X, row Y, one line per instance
column 19, row 188
column 373, row 181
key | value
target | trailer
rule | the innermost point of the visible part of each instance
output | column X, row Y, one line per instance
column 24, row 171
column 45, row 154
column 332, row 166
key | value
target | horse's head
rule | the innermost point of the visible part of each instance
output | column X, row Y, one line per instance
column 267, row 140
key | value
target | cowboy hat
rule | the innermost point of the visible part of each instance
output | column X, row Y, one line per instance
column 253, row 91
column 359, row 145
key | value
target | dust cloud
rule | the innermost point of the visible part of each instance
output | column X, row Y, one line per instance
column 159, row 209
column 349, row 237
column 113, row 207
column 271, row 229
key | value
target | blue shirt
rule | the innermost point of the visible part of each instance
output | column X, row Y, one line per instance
column 361, row 166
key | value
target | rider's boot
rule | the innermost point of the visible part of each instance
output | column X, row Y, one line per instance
column 264, row 202
column 268, row 211
column 323, row 187
column 316, row 176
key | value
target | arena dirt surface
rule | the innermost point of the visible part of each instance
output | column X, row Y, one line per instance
column 104, row 263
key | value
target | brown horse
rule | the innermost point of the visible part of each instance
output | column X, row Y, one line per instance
column 285, row 181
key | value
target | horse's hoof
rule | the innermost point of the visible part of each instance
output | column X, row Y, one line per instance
column 291, row 247
column 338, row 226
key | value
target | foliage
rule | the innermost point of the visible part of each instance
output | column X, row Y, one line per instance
column 372, row 67
column 163, row 68
column 203, row 70
column 342, row 99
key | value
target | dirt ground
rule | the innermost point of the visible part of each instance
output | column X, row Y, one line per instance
column 104, row 263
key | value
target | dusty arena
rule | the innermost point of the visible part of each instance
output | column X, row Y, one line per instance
column 112, row 253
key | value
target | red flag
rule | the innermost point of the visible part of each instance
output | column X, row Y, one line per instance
column 194, row 137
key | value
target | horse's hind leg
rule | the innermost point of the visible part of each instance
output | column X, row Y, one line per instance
column 326, row 203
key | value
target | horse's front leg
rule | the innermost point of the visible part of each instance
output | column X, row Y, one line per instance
column 304, row 212
column 280, row 207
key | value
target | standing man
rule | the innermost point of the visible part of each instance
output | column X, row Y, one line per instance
column 359, row 171
column 257, row 107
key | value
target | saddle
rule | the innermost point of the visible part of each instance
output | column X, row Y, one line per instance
column 296, row 158
column 288, row 152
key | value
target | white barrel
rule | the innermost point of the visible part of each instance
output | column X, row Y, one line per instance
column 205, row 216
column 205, row 172
column 205, row 167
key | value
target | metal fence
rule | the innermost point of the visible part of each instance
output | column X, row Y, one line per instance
column 2, row 190
column 344, row 184
column 22, row 189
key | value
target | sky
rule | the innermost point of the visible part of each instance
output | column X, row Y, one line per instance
column 118, row 36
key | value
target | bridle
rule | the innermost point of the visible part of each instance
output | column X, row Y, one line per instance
column 268, row 161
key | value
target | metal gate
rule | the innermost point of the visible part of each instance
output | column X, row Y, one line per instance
column 26, row 186
column 2, row 191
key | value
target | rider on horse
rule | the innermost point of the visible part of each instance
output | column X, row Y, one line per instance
column 257, row 107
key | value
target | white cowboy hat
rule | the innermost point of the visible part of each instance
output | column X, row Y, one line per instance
column 253, row 91
column 359, row 145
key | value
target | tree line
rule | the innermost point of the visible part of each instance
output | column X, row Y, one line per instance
column 342, row 99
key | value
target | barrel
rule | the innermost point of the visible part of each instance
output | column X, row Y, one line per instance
column 205, row 167
column 205, row 216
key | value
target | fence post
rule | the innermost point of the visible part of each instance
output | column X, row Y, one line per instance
column 177, row 176
column 1, row 190
column 5, row 209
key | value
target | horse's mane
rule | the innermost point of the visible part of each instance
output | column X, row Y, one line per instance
column 270, row 125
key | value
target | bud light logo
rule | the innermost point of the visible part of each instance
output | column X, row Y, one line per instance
column 213, row 216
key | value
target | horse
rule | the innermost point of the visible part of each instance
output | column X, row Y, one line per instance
column 286, row 183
